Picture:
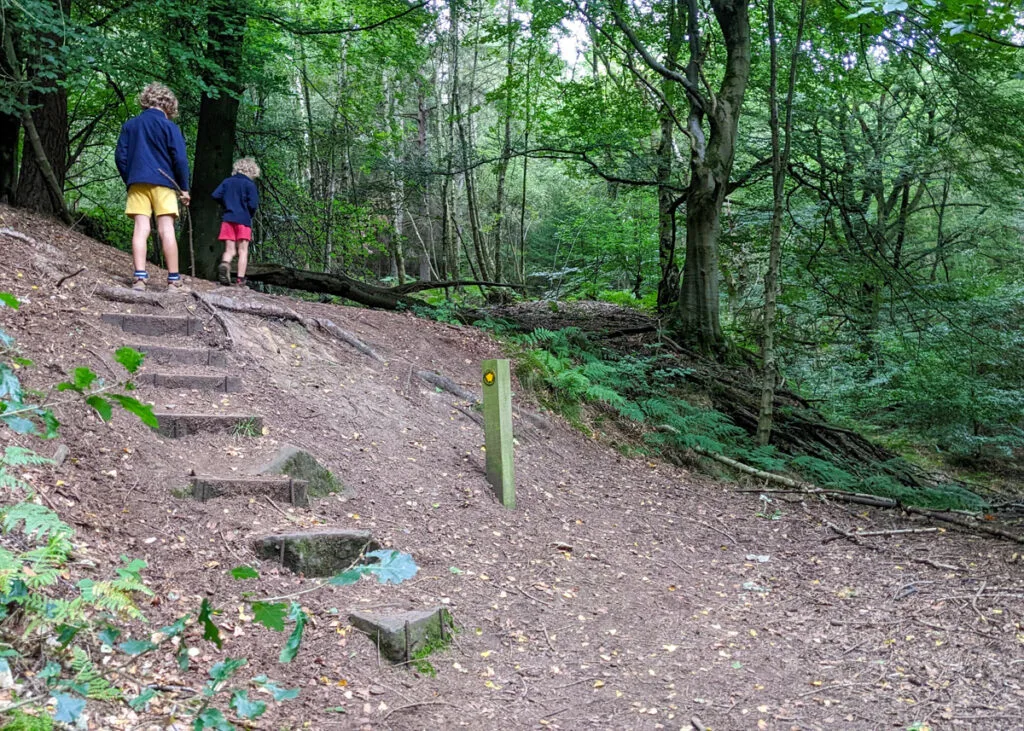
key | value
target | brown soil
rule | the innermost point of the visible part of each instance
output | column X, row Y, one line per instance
column 621, row 594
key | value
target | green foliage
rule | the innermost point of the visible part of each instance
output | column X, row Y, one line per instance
column 21, row 721
column 291, row 647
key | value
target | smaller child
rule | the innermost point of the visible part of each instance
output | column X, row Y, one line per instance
column 239, row 199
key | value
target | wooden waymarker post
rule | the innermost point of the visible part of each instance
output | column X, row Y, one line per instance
column 498, row 430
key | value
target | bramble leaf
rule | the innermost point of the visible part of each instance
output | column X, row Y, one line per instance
column 270, row 616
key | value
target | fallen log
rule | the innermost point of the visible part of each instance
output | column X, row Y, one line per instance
column 339, row 285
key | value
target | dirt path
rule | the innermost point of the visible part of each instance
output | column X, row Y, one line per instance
column 622, row 594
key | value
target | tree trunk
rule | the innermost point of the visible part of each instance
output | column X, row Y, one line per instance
column 506, row 147
column 10, row 127
column 780, row 162
column 50, row 120
column 697, row 314
column 668, row 284
column 215, row 137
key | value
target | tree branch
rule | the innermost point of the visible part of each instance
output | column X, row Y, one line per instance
column 299, row 30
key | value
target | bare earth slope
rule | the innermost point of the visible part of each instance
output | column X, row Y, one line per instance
column 621, row 594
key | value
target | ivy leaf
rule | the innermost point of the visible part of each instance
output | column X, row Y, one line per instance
column 270, row 616
column 130, row 358
column 246, row 708
column 9, row 300
column 69, row 708
column 279, row 693
column 136, row 647
column 394, row 566
column 348, row 577
column 142, row 700
column 291, row 647
column 210, row 630
column 101, row 405
column 241, row 573
column 211, row 720
column 134, row 406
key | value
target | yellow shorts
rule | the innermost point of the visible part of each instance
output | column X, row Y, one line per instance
column 145, row 199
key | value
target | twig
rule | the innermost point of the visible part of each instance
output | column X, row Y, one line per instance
column 69, row 276
column 895, row 532
column 548, row 638
column 358, row 559
column 974, row 602
column 416, row 705
column 277, row 507
column 188, row 217
column 530, row 596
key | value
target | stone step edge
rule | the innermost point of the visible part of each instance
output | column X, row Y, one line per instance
column 197, row 381
column 176, row 425
column 284, row 489
column 315, row 552
column 164, row 355
column 153, row 324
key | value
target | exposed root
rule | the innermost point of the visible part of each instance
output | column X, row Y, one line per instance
column 132, row 297
column 346, row 336
column 447, row 384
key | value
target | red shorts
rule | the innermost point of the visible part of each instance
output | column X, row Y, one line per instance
column 234, row 232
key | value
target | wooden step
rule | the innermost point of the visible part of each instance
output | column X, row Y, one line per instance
column 322, row 552
column 153, row 324
column 161, row 355
column 198, row 382
column 280, row 489
column 183, row 425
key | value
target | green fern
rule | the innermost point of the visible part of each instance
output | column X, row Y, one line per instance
column 39, row 521
column 89, row 677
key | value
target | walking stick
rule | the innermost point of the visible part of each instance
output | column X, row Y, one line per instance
column 188, row 218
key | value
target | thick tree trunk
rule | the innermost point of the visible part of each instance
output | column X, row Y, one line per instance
column 50, row 119
column 215, row 137
column 668, row 284
column 697, row 315
column 10, row 127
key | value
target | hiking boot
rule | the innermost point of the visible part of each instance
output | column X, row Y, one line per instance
column 240, row 282
column 139, row 285
column 224, row 274
column 179, row 286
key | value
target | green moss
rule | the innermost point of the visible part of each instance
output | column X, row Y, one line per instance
column 21, row 721
column 321, row 481
column 434, row 643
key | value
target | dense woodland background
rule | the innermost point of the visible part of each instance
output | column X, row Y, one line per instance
column 840, row 197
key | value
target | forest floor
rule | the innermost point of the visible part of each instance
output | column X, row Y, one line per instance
column 620, row 594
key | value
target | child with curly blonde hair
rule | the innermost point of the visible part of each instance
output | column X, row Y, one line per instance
column 239, row 199
column 151, row 158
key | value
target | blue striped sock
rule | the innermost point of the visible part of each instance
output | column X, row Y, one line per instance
column 141, row 274
column 173, row 277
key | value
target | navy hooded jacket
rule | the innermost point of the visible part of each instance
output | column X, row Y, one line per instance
column 239, row 198
column 148, row 144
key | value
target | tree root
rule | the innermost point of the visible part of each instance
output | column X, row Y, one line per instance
column 447, row 384
column 261, row 309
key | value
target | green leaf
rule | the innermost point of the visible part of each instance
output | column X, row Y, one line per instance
column 347, row 577
column 291, row 647
column 48, row 673
column 279, row 693
column 101, row 405
column 136, row 647
column 109, row 635
column 142, row 700
column 394, row 566
column 18, row 424
column 211, row 720
column 66, row 633
column 336, row 709
column 69, row 708
column 241, row 573
column 9, row 300
column 246, row 708
column 10, row 386
column 210, row 630
column 134, row 406
column 84, row 378
column 223, row 670
column 130, row 358
column 270, row 616
column 173, row 630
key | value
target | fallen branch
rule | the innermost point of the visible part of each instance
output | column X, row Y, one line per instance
column 69, row 276
column 219, row 317
column 5, row 231
column 860, row 499
column 131, row 296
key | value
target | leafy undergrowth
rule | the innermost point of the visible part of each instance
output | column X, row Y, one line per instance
column 64, row 637
column 647, row 395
